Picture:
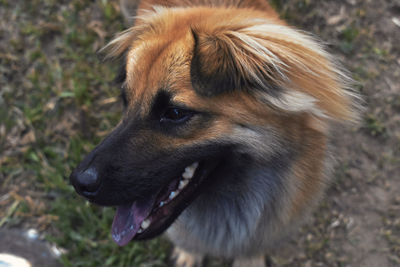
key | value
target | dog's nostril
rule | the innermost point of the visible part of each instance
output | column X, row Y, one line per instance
column 87, row 181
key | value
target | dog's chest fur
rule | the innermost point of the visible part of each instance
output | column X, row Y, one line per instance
column 233, row 217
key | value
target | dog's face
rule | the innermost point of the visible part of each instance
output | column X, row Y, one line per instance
column 202, row 99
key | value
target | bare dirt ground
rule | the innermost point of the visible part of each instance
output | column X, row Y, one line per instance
column 357, row 223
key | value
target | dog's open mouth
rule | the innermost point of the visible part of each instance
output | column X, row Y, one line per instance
column 148, row 218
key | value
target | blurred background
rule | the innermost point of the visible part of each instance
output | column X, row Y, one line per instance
column 58, row 100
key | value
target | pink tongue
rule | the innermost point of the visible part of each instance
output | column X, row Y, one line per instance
column 128, row 219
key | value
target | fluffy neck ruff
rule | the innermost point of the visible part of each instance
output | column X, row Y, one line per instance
column 225, row 220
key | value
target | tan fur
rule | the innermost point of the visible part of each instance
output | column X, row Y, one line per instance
column 182, row 258
column 263, row 51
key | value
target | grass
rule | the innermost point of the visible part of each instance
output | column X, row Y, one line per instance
column 57, row 103
column 348, row 37
column 374, row 126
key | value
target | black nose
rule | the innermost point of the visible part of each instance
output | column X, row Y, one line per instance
column 86, row 182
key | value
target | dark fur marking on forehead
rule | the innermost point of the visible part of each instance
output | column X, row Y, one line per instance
column 124, row 96
column 160, row 101
column 121, row 74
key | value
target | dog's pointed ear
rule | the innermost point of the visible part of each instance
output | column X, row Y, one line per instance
column 213, row 68
column 287, row 68
column 223, row 61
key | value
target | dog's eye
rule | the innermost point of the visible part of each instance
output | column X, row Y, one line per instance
column 176, row 115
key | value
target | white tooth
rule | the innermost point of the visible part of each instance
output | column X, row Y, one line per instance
column 145, row 224
column 172, row 195
column 182, row 184
column 161, row 204
column 140, row 230
column 189, row 171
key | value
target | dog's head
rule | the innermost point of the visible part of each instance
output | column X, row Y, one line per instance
column 207, row 92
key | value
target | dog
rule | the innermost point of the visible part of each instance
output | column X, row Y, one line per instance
column 224, row 139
